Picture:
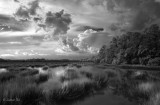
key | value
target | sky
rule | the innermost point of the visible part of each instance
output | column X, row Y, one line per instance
column 69, row 29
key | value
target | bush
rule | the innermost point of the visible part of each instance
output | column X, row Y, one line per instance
column 154, row 62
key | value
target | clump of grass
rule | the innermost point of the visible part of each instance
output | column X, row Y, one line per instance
column 6, row 76
column 77, row 90
column 42, row 78
column 87, row 74
column 70, row 93
column 26, row 87
column 45, row 68
column 70, row 74
column 29, row 72
column 76, row 65
column 100, row 81
column 110, row 73
column 21, row 91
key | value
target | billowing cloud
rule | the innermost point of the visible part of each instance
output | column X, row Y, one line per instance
column 22, row 13
column 8, row 23
column 87, row 42
column 33, row 7
column 83, row 26
column 25, row 12
column 52, row 23
column 58, row 22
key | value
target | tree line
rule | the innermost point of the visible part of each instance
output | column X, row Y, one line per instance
column 141, row 48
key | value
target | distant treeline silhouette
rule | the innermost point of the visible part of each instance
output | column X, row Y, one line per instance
column 142, row 48
column 37, row 60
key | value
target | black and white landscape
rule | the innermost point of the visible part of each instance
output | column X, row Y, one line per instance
column 79, row 52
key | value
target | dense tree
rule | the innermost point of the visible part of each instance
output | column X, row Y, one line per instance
column 133, row 48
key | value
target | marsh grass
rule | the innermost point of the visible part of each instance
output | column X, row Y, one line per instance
column 29, row 72
column 6, row 76
column 153, row 93
column 42, row 78
column 22, row 91
column 73, row 92
column 24, row 87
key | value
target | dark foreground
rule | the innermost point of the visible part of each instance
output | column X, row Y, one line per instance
column 77, row 84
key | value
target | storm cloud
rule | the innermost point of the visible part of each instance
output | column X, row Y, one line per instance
column 134, row 14
column 25, row 12
column 59, row 22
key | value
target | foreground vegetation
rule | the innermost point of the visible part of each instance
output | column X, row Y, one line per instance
column 66, row 85
column 45, row 86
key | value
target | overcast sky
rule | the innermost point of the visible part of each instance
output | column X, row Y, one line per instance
column 60, row 29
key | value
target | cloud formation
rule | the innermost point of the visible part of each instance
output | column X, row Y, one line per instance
column 84, row 28
column 54, row 23
column 8, row 23
column 134, row 14
column 58, row 22
column 25, row 12
column 87, row 42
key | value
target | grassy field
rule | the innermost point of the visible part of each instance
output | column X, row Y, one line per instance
column 24, row 85
column 65, row 84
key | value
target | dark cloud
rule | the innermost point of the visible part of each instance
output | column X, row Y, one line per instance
column 16, row 1
column 4, row 17
column 37, row 19
column 135, row 14
column 24, row 12
column 4, row 28
column 58, row 22
column 84, row 28
column 33, row 7
column 8, row 23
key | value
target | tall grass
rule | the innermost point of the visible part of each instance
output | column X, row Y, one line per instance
column 5, row 76
column 21, row 91
column 24, row 87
